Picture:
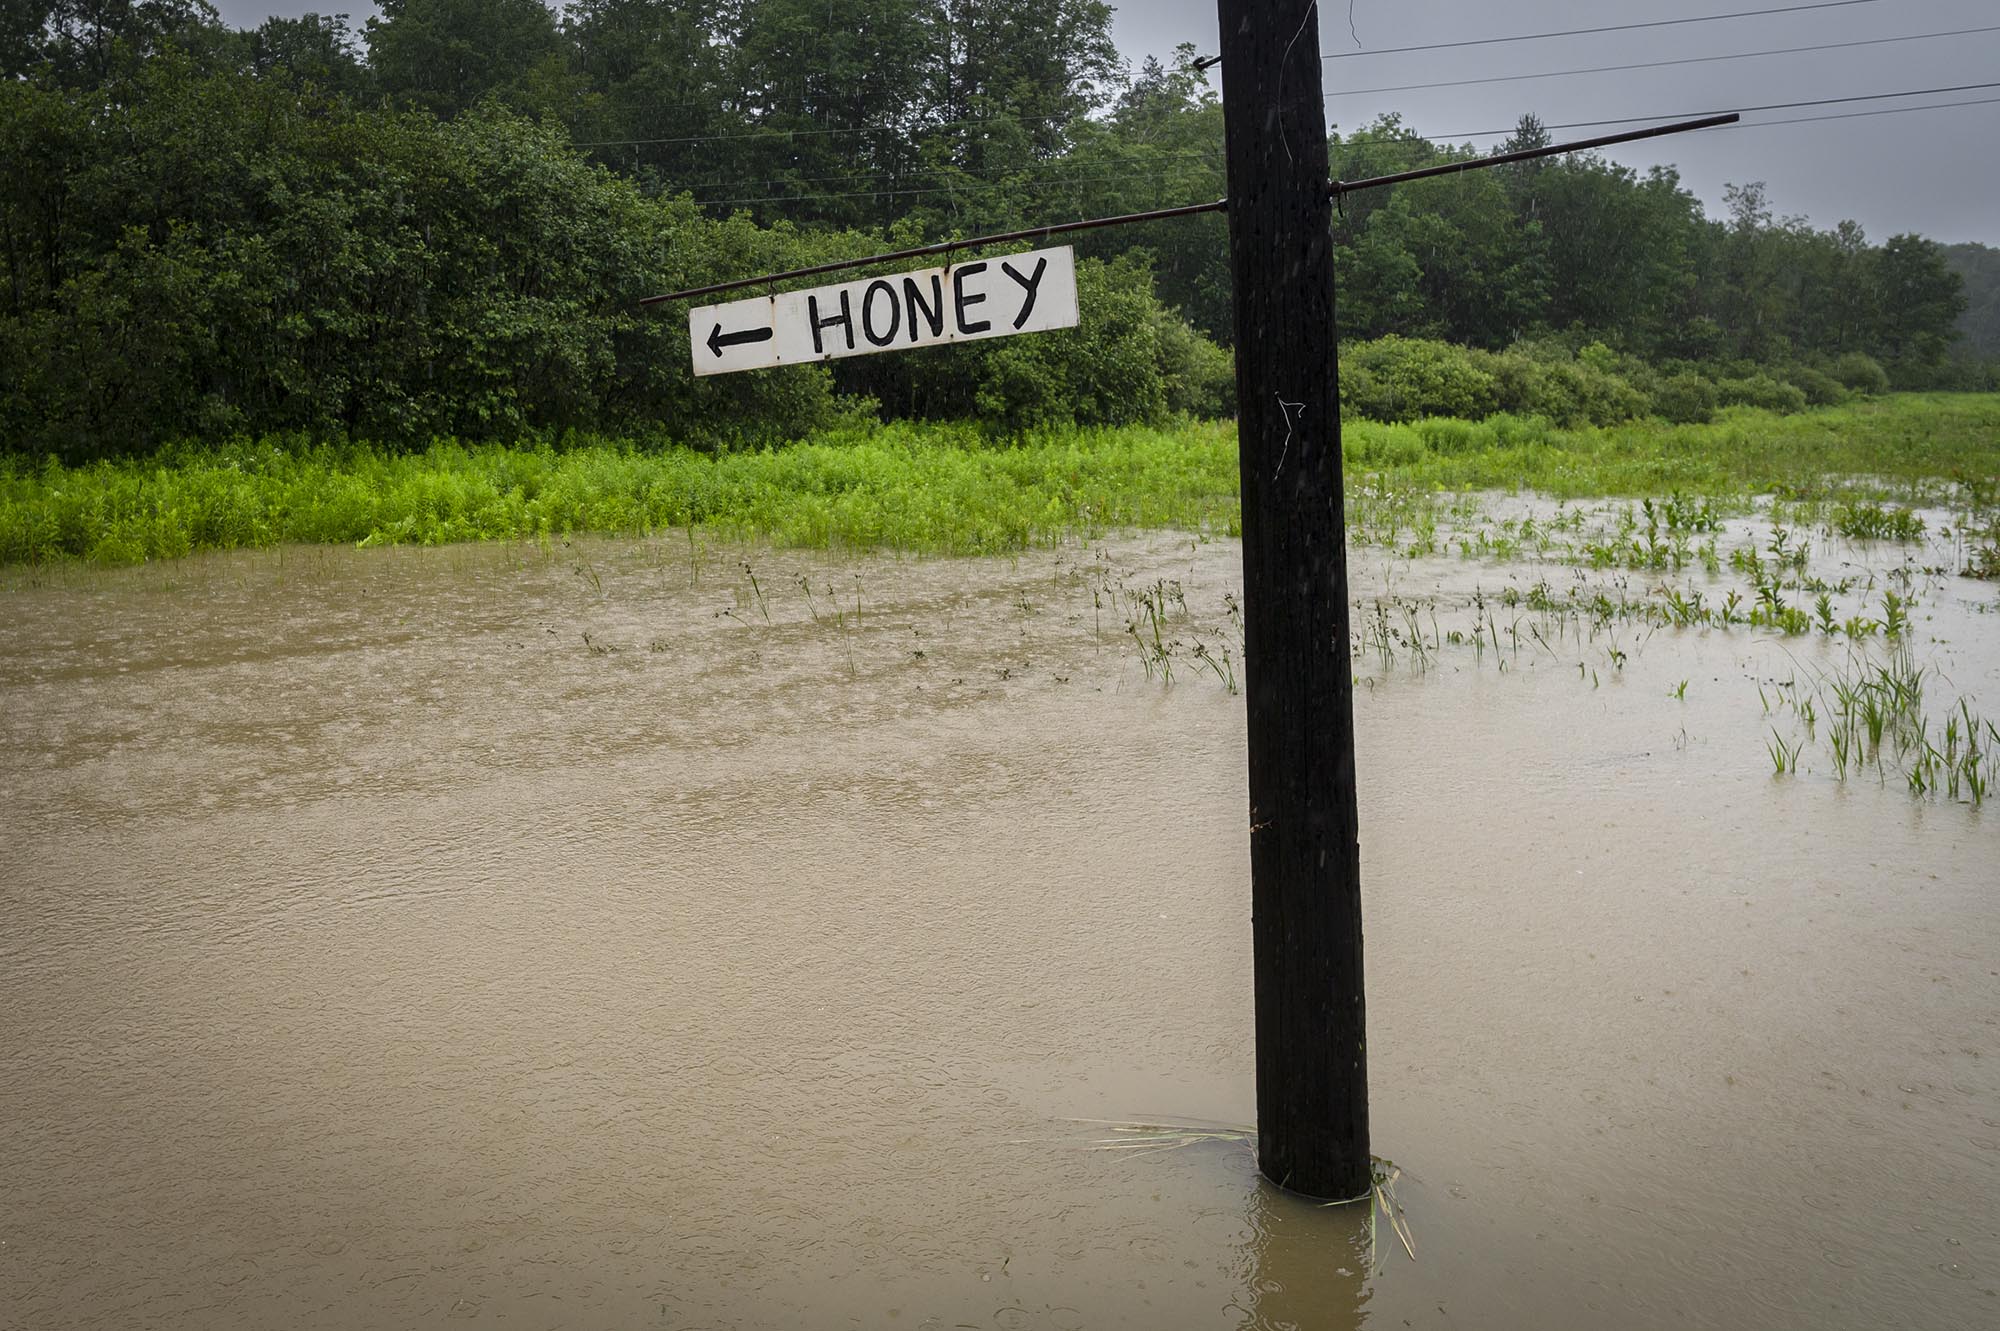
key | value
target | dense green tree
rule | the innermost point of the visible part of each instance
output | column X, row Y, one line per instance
column 1834, row 295
column 260, row 231
column 659, row 90
column 1159, row 147
column 443, row 56
column 313, row 48
column 837, row 108
column 85, row 43
column 23, row 30
column 1010, row 77
column 1616, row 248
column 1978, row 267
column 1918, row 301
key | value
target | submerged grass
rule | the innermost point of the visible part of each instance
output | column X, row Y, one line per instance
column 945, row 489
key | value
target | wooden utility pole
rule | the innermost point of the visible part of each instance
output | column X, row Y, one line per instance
column 1305, row 855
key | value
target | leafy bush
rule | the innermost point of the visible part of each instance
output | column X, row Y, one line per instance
column 1531, row 379
column 1821, row 389
column 1862, row 373
column 1685, row 399
column 1200, row 377
column 1401, row 379
column 1762, row 391
column 1129, row 360
column 1406, row 379
column 1599, row 395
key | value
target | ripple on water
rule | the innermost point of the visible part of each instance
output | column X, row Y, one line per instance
column 755, row 982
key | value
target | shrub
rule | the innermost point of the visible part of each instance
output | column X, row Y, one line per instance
column 1447, row 436
column 1685, row 399
column 1601, row 396
column 1821, row 389
column 1358, row 389
column 1402, row 379
column 1527, row 386
column 1598, row 357
column 1130, row 360
column 1200, row 377
column 1540, row 380
column 1761, row 390
column 1862, row 373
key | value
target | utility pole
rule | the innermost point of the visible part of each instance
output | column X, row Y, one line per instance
column 1305, row 853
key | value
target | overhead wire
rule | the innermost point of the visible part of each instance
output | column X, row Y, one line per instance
column 977, row 187
column 1424, row 146
column 1333, row 188
column 986, row 183
column 1768, row 106
column 820, row 133
column 1584, row 32
column 1212, row 155
column 1658, row 64
column 1878, row 111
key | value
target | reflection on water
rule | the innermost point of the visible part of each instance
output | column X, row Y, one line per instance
column 592, row 937
column 1309, row 1262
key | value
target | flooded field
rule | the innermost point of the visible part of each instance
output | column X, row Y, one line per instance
column 663, row 933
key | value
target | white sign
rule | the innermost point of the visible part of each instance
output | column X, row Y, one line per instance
column 1022, row 293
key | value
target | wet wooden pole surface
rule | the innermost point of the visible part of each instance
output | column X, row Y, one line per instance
column 1312, row 1083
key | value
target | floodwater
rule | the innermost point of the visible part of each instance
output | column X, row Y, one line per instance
column 592, row 936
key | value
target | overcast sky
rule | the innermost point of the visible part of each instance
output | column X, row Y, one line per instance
column 1925, row 171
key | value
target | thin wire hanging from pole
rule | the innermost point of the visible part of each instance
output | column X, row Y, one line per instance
column 1586, row 32
column 1768, row 106
column 1657, row 64
column 1334, row 189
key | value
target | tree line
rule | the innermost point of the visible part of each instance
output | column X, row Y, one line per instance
column 439, row 224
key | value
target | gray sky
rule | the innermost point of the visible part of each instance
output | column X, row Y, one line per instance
column 1924, row 171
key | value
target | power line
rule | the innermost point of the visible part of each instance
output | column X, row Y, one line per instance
column 1458, row 166
column 1583, row 32
column 1424, row 145
column 816, row 133
column 1420, row 148
column 1333, row 188
column 1878, row 111
column 1659, row 64
column 979, row 187
column 1768, row 106
column 1210, row 155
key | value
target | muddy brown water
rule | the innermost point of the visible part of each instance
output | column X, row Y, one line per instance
column 586, row 937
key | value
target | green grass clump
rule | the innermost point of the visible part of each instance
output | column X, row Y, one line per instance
column 1872, row 522
column 1909, row 447
column 932, row 489
column 950, row 490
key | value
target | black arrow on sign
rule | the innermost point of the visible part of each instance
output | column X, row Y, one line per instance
column 717, row 339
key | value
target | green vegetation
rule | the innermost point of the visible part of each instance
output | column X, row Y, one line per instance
column 952, row 489
column 1405, row 379
column 1978, row 351
column 439, row 227
column 932, row 488
column 1899, row 447
column 1872, row 718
